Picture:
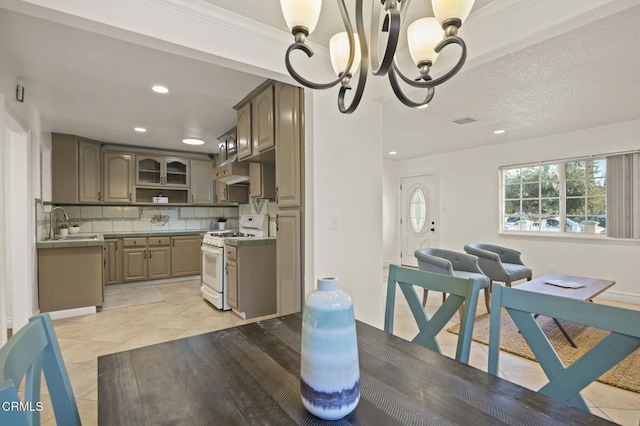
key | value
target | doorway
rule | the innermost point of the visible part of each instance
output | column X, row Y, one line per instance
column 419, row 209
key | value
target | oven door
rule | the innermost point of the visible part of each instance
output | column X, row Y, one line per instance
column 213, row 268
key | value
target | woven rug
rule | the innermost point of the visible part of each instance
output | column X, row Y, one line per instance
column 625, row 375
column 116, row 298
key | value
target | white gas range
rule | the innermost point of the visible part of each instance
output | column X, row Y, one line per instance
column 214, row 280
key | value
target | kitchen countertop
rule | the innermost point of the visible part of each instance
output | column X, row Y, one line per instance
column 66, row 243
column 250, row 242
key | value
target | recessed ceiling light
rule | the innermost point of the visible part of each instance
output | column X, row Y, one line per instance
column 160, row 89
column 140, row 129
column 193, row 141
column 392, row 153
column 499, row 132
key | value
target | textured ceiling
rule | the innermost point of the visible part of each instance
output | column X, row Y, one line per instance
column 269, row 12
column 584, row 78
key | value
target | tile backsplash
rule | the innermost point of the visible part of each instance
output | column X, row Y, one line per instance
column 104, row 219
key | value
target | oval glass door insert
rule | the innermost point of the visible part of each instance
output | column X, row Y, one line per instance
column 418, row 209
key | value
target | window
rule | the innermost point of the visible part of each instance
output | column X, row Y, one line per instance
column 567, row 196
column 418, row 210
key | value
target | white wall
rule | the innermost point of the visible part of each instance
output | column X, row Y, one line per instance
column 347, row 185
column 469, row 198
column 391, row 211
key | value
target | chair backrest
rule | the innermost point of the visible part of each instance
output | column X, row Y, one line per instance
column 32, row 350
column 564, row 384
column 434, row 260
column 460, row 291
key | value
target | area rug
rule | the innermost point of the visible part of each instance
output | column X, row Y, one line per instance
column 117, row 298
column 626, row 375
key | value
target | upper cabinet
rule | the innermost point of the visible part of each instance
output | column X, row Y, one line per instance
column 243, row 132
column 256, row 125
column 75, row 169
column 201, row 182
column 89, row 171
column 288, row 122
column 118, row 178
column 263, row 134
column 162, row 171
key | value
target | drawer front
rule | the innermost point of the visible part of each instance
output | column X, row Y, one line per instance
column 159, row 241
column 134, row 242
column 231, row 252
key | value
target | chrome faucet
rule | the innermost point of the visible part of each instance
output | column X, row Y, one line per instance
column 51, row 231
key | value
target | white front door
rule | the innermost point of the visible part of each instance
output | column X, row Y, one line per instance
column 419, row 224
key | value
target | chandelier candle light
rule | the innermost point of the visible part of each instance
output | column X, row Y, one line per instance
column 349, row 50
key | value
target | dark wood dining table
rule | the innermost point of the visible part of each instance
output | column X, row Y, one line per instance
column 250, row 375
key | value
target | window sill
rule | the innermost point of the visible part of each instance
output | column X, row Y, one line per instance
column 574, row 238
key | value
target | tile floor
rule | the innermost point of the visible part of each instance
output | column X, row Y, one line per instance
column 184, row 313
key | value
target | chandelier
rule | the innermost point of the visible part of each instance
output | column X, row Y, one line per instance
column 350, row 52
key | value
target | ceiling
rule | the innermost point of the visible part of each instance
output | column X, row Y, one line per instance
column 99, row 87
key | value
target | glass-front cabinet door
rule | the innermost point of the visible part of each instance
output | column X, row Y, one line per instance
column 149, row 171
column 176, row 172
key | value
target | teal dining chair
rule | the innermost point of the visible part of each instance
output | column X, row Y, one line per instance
column 463, row 293
column 32, row 350
column 565, row 383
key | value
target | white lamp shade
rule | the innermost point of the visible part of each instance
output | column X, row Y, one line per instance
column 301, row 13
column 447, row 9
column 339, row 52
column 423, row 36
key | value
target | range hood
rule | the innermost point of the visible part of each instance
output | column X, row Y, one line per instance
column 232, row 172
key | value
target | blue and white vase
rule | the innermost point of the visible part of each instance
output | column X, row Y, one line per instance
column 329, row 370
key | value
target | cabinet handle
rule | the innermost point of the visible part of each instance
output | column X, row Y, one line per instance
column 116, row 245
column 130, row 196
column 150, row 254
column 226, row 268
column 193, row 198
column 277, row 223
column 276, row 195
column 145, row 254
column 99, row 196
column 174, row 243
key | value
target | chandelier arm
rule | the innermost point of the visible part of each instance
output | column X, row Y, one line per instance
column 394, row 24
column 364, row 67
column 397, row 90
column 422, row 84
column 349, row 29
column 297, row 77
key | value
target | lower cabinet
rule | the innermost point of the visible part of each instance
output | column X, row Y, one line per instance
column 289, row 261
column 153, row 258
column 112, row 261
column 186, row 256
column 251, row 278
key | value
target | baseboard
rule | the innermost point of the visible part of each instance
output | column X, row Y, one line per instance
column 68, row 313
column 620, row 296
column 154, row 282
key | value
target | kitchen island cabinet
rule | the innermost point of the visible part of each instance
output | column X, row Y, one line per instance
column 69, row 278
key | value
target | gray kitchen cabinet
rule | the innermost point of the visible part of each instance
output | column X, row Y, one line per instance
column 135, row 265
column 231, row 270
column 243, row 132
column 251, row 275
column 89, row 177
column 201, row 182
column 262, row 121
column 289, row 137
column 117, row 180
column 186, row 256
column 289, row 261
column 232, row 193
column 112, row 261
column 69, row 278
column 262, row 180
column 160, row 171
column 75, row 169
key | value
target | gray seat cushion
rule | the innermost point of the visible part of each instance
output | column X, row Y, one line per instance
column 517, row 272
column 484, row 280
